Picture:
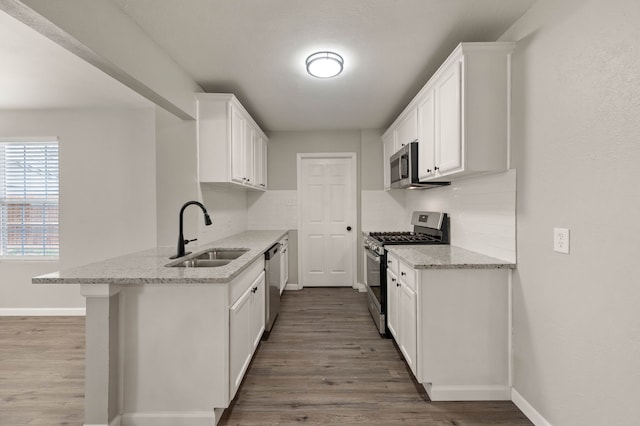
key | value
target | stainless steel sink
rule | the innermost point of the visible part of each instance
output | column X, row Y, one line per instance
column 212, row 258
column 202, row 263
column 220, row 253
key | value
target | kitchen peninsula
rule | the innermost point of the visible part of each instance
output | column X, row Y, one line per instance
column 169, row 345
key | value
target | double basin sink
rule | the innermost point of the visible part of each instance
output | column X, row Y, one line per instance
column 212, row 258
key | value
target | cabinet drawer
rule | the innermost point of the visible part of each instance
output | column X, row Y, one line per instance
column 408, row 276
column 392, row 263
column 244, row 280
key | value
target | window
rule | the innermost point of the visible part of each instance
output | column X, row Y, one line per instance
column 29, row 188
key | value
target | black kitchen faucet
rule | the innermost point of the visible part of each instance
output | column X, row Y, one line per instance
column 181, row 241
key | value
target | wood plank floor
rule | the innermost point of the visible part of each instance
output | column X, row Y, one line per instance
column 325, row 363
column 41, row 371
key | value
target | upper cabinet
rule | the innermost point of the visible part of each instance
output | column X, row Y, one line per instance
column 461, row 115
column 232, row 149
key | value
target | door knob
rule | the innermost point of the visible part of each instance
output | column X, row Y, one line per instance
column 348, row 228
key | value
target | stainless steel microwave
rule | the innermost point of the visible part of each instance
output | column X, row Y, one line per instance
column 403, row 168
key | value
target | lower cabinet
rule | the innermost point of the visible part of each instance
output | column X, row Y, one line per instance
column 393, row 309
column 284, row 263
column 402, row 312
column 452, row 328
column 246, row 325
column 408, row 324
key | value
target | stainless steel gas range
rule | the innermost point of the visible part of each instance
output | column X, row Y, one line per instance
column 428, row 228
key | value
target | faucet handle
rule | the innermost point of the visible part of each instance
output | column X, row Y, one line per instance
column 188, row 241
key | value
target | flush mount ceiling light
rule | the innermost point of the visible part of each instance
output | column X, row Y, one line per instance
column 324, row 64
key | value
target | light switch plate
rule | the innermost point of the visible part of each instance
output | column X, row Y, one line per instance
column 561, row 240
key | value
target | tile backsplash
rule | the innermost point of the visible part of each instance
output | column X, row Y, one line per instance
column 482, row 211
column 273, row 210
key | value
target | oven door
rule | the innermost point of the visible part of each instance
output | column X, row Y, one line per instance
column 376, row 288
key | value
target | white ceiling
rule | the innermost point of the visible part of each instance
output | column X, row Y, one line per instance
column 256, row 50
column 36, row 73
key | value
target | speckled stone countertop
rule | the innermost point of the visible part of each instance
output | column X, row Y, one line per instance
column 446, row 257
column 149, row 266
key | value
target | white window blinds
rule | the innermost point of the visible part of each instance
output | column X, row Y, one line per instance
column 29, row 189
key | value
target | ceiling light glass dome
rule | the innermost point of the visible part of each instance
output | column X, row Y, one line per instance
column 324, row 64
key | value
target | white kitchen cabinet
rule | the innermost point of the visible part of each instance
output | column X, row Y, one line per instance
column 407, row 312
column 407, row 130
column 451, row 326
column 402, row 311
column 284, row 263
column 462, row 114
column 426, row 135
column 388, row 149
column 260, row 161
column 231, row 147
column 393, row 307
column 246, row 324
column 448, row 108
column 238, row 146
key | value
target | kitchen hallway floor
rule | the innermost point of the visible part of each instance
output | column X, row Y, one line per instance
column 325, row 363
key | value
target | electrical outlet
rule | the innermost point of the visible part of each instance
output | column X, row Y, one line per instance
column 561, row 240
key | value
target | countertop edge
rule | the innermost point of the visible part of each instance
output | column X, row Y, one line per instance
column 439, row 257
column 182, row 280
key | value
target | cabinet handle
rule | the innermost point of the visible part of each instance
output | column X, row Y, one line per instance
column 403, row 273
column 253, row 290
column 428, row 170
column 393, row 279
column 388, row 262
column 398, row 285
column 436, row 168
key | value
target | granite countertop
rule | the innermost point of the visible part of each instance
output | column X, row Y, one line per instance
column 446, row 257
column 149, row 266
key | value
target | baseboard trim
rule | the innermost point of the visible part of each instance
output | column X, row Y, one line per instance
column 115, row 422
column 292, row 286
column 528, row 410
column 360, row 287
column 42, row 312
column 468, row 393
column 204, row 418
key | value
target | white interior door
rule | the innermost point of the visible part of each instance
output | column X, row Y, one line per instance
column 327, row 210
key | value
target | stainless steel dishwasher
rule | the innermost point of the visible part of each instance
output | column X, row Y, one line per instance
column 272, row 284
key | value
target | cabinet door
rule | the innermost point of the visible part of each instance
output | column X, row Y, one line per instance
column 392, row 304
column 408, row 325
column 407, row 131
column 388, row 149
column 426, row 136
column 284, row 266
column 240, row 339
column 249, row 154
column 449, row 121
column 257, row 311
column 237, row 146
column 260, row 162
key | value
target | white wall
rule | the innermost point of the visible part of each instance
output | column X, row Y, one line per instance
column 107, row 197
column 576, row 92
column 100, row 33
column 177, row 176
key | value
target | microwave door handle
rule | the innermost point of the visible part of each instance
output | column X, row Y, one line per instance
column 404, row 167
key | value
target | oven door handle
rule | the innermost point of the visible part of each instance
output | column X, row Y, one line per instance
column 372, row 256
